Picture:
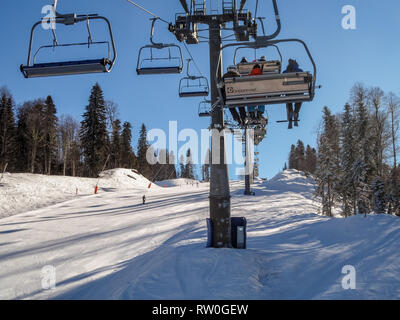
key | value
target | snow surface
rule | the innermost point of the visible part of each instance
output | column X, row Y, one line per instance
column 23, row 192
column 177, row 182
column 110, row 246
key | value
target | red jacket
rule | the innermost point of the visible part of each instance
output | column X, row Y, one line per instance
column 256, row 72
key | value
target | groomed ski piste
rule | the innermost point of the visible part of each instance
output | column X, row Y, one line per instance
column 111, row 246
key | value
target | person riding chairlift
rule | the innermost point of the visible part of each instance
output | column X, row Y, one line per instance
column 232, row 73
column 293, row 115
column 263, row 59
column 257, row 112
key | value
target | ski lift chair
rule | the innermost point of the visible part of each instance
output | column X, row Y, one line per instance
column 273, row 88
column 146, row 66
column 193, row 86
column 103, row 65
column 205, row 108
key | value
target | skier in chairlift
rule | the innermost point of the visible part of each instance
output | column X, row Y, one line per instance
column 257, row 112
column 232, row 73
column 293, row 115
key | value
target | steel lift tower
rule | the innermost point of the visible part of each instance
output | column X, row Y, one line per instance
column 185, row 30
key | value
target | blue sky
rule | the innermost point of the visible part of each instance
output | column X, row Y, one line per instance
column 369, row 54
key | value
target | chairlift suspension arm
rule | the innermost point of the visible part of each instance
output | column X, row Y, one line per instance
column 90, row 41
column 242, row 3
column 185, row 6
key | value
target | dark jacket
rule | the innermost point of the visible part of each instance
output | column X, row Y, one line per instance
column 231, row 74
column 293, row 67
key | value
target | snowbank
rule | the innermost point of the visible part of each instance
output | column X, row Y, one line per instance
column 177, row 183
column 23, row 192
column 292, row 180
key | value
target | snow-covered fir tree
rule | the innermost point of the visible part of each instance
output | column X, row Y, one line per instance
column 348, row 153
column 93, row 134
column 328, row 168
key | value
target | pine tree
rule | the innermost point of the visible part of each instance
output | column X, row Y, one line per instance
column 327, row 173
column 292, row 157
column 365, row 164
column 310, row 160
column 93, row 135
column 362, row 189
column 144, row 166
column 299, row 156
column 379, row 195
column 128, row 158
column 348, row 156
column 363, row 130
column 189, row 169
column 7, row 133
column 50, row 123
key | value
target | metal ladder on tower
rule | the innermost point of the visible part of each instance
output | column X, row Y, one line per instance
column 227, row 6
column 199, row 7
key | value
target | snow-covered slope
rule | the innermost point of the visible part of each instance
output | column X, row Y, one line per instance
column 110, row 246
column 23, row 192
column 177, row 182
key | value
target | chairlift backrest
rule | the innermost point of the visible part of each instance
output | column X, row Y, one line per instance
column 193, row 86
column 205, row 108
column 102, row 65
column 148, row 66
column 235, row 60
column 266, row 67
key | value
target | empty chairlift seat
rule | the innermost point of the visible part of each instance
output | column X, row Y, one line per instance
column 269, row 89
column 66, row 68
column 205, row 108
column 148, row 66
column 103, row 65
column 189, row 88
column 193, row 86
column 151, row 64
column 172, row 63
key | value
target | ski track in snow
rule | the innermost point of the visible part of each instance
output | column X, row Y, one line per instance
column 110, row 246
